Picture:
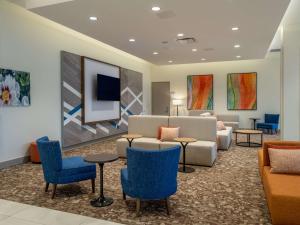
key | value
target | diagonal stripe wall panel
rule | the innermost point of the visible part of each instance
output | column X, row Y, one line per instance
column 73, row 132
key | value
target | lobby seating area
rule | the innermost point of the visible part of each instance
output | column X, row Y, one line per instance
column 163, row 112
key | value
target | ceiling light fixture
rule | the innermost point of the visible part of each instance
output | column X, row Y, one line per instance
column 170, row 61
column 194, row 50
column 237, row 46
column 131, row 40
column 93, row 18
column 180, row 35
column 203, row 59
column 238, row 56
column 155, row 53
column 155, row 8
column 234, row 28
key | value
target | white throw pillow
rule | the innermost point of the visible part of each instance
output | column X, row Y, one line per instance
column 205, row 114
column 169, row 133
column 220, row 125
column 284, row 160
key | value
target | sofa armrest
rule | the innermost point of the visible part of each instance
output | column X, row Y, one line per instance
column 261, row 162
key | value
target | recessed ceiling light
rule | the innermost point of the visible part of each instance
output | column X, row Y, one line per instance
column 238, row 56
column 155, row 53
column 194, row 50
column 170, row 61
column 203, row 59
column 93, row 18
column 237, row 46
column 234, row 28
column 155, row 8
column 132, row 40
column 180, row 35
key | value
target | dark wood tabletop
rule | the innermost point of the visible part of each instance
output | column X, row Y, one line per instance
column 101, row 158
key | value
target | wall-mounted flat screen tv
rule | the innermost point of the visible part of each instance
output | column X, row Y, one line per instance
column 108, row 88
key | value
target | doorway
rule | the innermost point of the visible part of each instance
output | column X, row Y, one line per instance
column 161, row 98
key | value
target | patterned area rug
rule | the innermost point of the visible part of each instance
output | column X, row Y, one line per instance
column 230, row 192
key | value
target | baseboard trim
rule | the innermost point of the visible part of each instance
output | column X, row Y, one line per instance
column 14, row 162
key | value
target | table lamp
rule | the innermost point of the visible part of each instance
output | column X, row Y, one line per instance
column 177, row 103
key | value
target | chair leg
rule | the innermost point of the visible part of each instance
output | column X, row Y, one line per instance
column 93, row 185
column 54, row 190
column 138, row 206
column 168, row 205
column 124, row 196
column 47, row 187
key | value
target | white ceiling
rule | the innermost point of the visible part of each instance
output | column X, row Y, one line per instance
column 209, row 21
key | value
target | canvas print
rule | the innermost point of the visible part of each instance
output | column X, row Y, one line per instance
column 200, row 92
column 242, row 91
column 14, row 88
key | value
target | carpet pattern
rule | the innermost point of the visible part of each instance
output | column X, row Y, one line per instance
column 230, row 192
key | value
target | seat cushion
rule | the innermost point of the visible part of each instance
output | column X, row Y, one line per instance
column 224, row 138
column 122, row 144
column 201, row 153
column 267, row 125
column 282, row 192
column 76, row 165
column 146, row 143
column 143, row 143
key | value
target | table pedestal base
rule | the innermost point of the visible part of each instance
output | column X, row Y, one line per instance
column 102, row 202
column 186, row 169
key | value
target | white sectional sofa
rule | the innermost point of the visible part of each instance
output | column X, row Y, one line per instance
column 203, row 152
column 230, row 120
column 224, row 138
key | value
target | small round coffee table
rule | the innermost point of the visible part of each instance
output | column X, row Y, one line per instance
column 101, row 159
column 184, row 142
column 131, row 137
column 249, row 143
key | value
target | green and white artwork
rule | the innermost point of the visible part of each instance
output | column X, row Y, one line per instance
column 14, row 88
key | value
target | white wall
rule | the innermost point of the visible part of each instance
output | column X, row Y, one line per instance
column 31, row 43
column 291, row 82
column 268, row 87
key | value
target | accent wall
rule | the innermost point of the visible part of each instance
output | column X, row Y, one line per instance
column 268, row 84
column 33, row 44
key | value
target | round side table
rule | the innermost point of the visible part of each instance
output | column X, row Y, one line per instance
column 131, row 137
column 254, row 122
column 101, row 159
column 184, row 142
column 249, row 143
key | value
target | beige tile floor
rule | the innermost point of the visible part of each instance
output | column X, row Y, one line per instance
column 13, row 213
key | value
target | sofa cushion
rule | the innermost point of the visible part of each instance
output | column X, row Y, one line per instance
column 284, row 161
column 200, row 128
column 201, row 153
column 220, row 126
column 146, row 125
column 146, row 143
column 197, row 112
column 283, row 196
column 224, row 138
column 234, row 125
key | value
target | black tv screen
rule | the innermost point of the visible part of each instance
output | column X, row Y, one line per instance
column 108, row 88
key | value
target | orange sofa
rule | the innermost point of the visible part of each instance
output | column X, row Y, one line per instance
column 282, row 190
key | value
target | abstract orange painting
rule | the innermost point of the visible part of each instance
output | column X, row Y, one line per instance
column 200, row 92
column 242, row 91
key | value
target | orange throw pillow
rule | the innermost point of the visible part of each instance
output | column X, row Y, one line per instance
column 168, row 133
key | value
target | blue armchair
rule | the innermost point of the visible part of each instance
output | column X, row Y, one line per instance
column 270, row 124
column 58, row 170
column 150, row 175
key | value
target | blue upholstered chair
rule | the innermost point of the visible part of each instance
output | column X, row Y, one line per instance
column 58, row 170
column 270, row 124
column 150, row 175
